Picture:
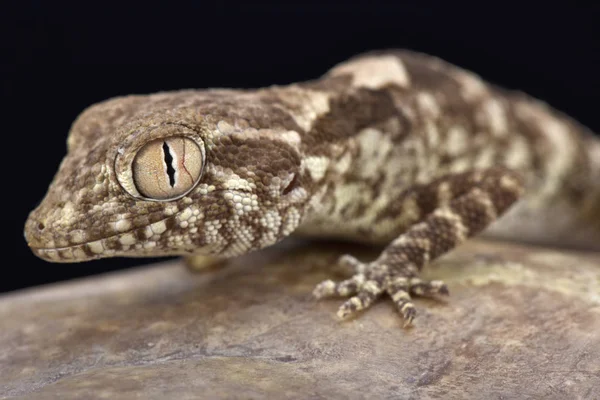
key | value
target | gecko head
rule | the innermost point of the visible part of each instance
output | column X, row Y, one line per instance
column 141, row 180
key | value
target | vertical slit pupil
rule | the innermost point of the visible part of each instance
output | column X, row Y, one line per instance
column 169, row 162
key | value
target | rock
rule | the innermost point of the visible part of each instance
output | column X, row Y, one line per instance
column 521, row 322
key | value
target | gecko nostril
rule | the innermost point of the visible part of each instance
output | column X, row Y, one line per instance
column 41, row 226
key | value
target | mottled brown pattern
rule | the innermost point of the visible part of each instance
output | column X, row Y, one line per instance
column 390, row 147
column 350, row 113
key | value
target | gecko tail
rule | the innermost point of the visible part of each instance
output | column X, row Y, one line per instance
column 593, row 146
column 559, row 221
column 588, row 215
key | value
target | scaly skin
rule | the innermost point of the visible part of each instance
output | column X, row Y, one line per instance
column 390, row 147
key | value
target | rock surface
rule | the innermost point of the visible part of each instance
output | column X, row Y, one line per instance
column 521, row 322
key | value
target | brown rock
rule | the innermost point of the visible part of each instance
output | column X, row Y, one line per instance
column 521, row 322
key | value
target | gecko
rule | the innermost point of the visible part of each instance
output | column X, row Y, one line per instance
column 395, row 148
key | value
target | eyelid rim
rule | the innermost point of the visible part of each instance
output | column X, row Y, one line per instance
column 126, row 155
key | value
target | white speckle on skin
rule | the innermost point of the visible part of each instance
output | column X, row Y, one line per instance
column 343, row 164
column 460, row 229
column 185, row 214
column 518, row 154
column 96, row 247
column 444, row 193
column 472, row 87
column 485, row 158
column 299, row 194
column 66, row 254
column 148, row 232
column 456, row 140
column 291, row 221
column 78, row 253
column 460, row 165
column 308, row 106
column 291, row 137
column 432, row 133
column 78, row 236
column 50, row 253
column 237, row 183
column 159, row 227
column 271, row 220
column 428, row 105
column 410, row 211
column 225, row 128
column 374, row 149
column 127, row 239
column 170, row 210
column 122, row 225
column 316, row 166
column 373, row 73
column 496, row 116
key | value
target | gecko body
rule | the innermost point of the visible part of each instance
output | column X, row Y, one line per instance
column 390, row 147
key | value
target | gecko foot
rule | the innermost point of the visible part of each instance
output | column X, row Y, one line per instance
column 371, row 280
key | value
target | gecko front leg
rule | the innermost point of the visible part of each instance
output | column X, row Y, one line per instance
column 462, row 206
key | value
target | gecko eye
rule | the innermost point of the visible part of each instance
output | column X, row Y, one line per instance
column 167, row 168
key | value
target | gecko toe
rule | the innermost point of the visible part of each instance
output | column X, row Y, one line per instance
column 363, row 300
column 419, row 287
column 324, row 289
column 399, row 290
column 344, row 288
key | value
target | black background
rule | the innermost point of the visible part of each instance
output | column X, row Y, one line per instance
column 58, row 59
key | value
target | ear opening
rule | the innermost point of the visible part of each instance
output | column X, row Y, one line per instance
column 292, row 185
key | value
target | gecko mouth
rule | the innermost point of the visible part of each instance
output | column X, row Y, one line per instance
column 75, row 253
column 138, row 242
column 93, row 251
column 110, row 246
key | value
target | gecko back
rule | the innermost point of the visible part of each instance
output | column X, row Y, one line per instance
column 412, row 119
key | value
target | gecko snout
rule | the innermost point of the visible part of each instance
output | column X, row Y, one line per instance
column 36, row 233
column 42, row 238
